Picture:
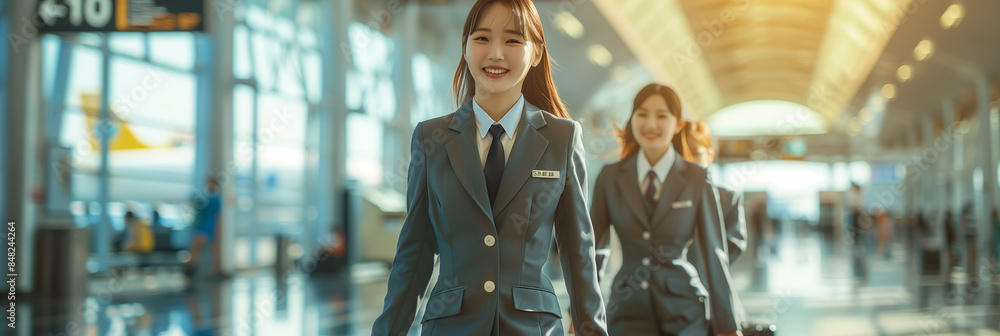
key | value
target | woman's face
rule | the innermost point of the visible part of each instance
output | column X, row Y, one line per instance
column 653, row 126
column 497, row 55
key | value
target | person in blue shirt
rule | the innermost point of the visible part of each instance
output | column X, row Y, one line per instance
column 208, row 209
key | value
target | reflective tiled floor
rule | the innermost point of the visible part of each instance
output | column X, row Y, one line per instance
column 805, row 287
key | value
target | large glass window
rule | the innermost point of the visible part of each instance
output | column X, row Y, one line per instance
column 276, row 55
column 364, row 151
column 148, row 95
column 427, row 104
column 131, row 44
column 152, row 107
column 371, row 94
column 370, row 85
column 793, row 187
column 173, row 48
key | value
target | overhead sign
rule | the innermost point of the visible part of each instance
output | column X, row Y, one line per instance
column 121, row 15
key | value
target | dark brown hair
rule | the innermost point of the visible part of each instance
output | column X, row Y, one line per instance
column 539, row 89
column 693, row 135
column 625, row 137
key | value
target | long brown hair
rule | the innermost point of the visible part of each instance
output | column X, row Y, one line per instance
column 625, row 137
column 693, row 135
column 538, row 89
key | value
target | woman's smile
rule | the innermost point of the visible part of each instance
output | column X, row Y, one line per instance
column 495, row 72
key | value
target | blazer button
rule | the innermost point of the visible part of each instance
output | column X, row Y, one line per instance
column 646, row 235
column 489, row 286
column 489, row 240
column 644, row 284
column 645, row 261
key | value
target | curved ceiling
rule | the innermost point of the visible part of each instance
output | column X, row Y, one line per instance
column 763, row 117
column 723, row 52
column 759, row 50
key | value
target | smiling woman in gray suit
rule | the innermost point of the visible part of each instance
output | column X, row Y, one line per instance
column 659, row 204
column 490, row 188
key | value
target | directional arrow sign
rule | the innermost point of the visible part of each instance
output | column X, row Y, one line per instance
column 50, row 11
column 121, row 15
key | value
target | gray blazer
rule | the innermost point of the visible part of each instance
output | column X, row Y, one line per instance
column 736, row 222
column 657, row 290
column 736, row 227
column 491, row 257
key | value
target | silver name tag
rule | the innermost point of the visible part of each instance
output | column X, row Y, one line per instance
column 683, row 204
column 545, row 173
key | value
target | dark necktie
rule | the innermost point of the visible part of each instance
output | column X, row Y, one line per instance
column 651, row 189
column 495, row 163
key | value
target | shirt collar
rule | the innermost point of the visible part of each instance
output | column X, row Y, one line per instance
column 662, row 168
column 509, row 120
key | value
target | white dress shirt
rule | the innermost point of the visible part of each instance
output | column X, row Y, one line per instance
column 661, row 169
column 509, row 123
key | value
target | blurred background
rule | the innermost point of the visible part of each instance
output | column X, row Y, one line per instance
column 116, row 113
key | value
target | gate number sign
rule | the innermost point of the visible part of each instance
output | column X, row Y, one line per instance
column 121, row 15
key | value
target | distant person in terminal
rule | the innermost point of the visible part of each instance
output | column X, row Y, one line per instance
column 140, row 235
column 996, row 235
column 208, row 210
column 694, row 142
column 490, row 188
column 659, row 205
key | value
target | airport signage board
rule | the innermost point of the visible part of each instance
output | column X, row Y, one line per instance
column 120, row 15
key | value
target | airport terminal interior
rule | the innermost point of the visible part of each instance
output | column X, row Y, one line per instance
column 863, row 135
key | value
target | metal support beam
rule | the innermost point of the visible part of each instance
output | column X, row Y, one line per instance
column 928, row 198
column 397, row 152
column 929, row 207
column 950, row 159
column 913, row 190
column 57, row 99
column 4, row 119
column 333, row 137
column 984, row 200
column 215, row 129
column 57, row 180
column 21, row 56
column 313, row 119
column 104, row 130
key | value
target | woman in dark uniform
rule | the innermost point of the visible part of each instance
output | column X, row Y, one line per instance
column 659, row 204
column 694, row 143
column 489, row 188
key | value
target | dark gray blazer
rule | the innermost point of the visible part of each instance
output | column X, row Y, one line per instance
column 491, row 258
column 657, row 290
column 736, row 227
column 736, row 222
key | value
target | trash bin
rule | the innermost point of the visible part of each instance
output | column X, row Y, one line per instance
column 282, row 259
column 343, row 249
column 350, row 222
column 61, row 262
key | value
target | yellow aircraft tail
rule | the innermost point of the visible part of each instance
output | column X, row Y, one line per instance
column 125, row 140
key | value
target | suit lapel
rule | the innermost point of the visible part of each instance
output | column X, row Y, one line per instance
column 463, row 153
column 529, row 145
column 630, row 190
column 673, row 186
